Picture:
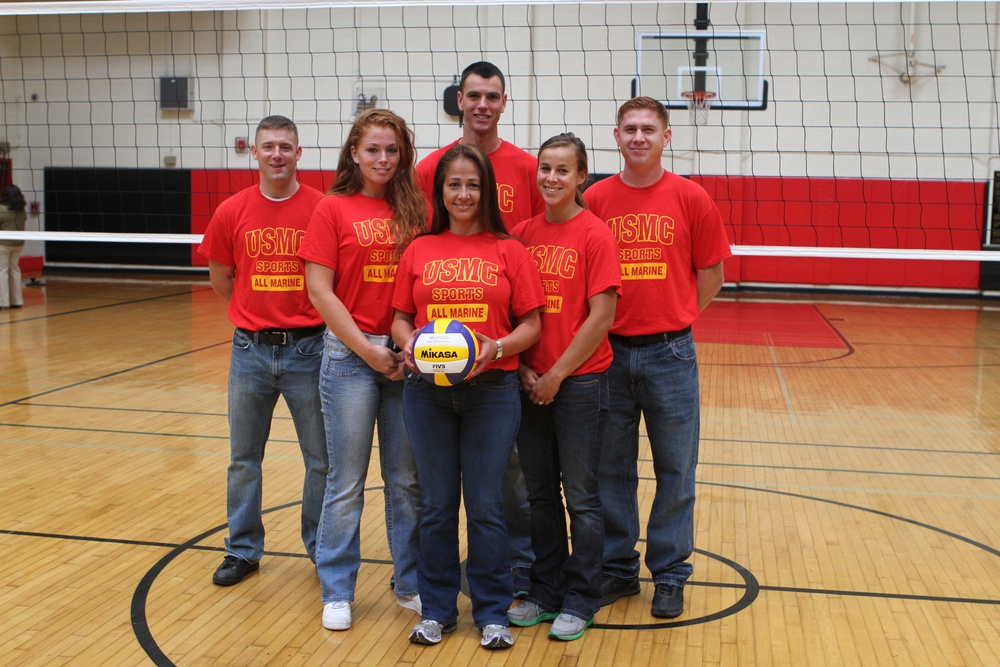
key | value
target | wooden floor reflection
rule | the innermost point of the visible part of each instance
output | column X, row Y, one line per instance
column 848, row 509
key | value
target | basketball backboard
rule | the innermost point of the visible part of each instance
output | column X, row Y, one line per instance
column 729, row 64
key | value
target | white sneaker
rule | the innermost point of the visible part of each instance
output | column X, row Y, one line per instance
column 412, row 603
column 337, row 616
column 496, row 637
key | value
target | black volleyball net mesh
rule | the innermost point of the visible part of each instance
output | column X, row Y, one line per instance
column 846, row 143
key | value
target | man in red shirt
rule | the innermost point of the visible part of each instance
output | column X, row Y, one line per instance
column 482, row 98
column 251, row 244
column 671, row 244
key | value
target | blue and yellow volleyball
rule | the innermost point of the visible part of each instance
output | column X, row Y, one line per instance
column 445, row 352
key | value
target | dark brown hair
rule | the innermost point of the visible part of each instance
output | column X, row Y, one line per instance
column 489, row 203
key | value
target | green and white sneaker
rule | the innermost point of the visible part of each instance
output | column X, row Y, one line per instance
column 527, row 614
column 568, row 627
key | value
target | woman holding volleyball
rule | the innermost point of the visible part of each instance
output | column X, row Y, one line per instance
column 565, row 394
column 351, row 250
column 462, row 435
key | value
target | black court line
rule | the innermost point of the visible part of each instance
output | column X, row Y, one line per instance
column 887, row 515
column 105, row 408
column 866, row 594
column 115, row 431
column 113, row 374
column 381, row 561
column 167, row 545
column 847, row 471
column 877, row 448
column 117, row 304
column 848, row 351
column 784, row 443
column 750, row 586
column 750, row 466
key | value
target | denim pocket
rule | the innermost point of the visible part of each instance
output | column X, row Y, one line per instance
column 411, row 378
column 589, row 391
column 683, row 349
column 311, row 346
column 335, row 348
column 508, row 382
column 241, row 341
column 338, row 359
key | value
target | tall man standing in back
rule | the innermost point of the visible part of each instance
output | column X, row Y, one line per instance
column 251, row 244
column 671, row 242
column 482, row 98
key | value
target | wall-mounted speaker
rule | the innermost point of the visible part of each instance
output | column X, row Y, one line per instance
column 174, row 92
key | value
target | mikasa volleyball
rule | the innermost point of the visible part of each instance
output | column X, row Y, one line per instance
column 445, row 351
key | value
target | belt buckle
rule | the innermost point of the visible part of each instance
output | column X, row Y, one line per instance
column 284, row 337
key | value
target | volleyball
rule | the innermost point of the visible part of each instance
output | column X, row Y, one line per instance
column 444, row 351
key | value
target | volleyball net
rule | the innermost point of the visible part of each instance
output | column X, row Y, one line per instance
column 849, row 143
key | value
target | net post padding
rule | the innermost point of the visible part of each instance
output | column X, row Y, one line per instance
column 699, row 104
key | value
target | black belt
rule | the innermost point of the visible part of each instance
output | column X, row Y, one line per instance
column 649, row 339
column 282, row 336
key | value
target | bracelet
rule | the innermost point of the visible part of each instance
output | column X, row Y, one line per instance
column 499, row 351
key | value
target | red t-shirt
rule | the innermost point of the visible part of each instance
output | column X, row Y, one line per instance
column 515, row 169
column 577, row 259
column 665, row 232
column 260, row 237
column 478, row 280
column 352, row 236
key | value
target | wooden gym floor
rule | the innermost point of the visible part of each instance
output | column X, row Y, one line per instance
column 848, row 510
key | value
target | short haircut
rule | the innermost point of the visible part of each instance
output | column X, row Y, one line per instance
column 277, row 123
column 638, row 103
column 485, row 70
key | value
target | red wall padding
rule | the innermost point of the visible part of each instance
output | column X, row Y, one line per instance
column 210, row 187
column 779, row 211
column 851, row 213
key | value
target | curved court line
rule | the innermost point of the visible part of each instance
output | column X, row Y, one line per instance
column 752, row 586
column 751, row 589
column 140, row 627
column 920, row 524
column 144, row 636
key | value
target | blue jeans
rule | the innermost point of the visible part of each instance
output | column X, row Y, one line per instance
column 659, row 382
column 560, row 447
column 355, row 398
column 462, row 437
column 517, row 514
column 258, row 374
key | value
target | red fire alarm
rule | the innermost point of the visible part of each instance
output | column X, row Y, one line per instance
column 241, row 145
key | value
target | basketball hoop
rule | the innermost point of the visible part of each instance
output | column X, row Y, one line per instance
column 699, row 103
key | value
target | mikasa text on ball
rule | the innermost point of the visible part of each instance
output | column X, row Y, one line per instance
column 445, row 352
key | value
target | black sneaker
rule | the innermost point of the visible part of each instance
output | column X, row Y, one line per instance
column 521, row 577
column 668, row 601
column 233, row 570
column 614, row 588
